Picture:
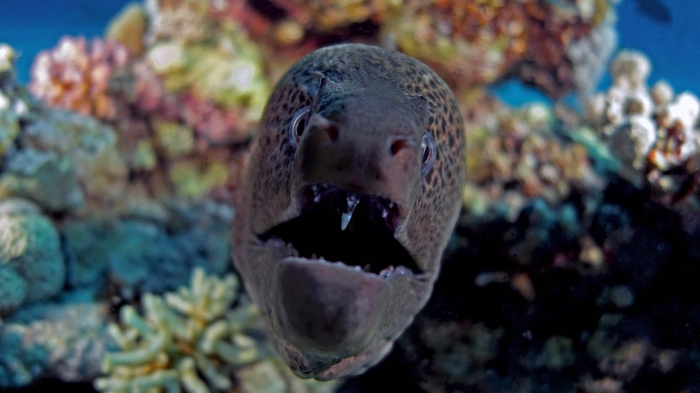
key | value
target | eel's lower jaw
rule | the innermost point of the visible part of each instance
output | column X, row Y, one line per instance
column 328, row 317
column 385, row 273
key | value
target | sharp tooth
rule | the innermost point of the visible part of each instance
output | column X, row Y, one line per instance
column 385, row 213
column 391, row 204
column 358, row 268
column 352, row 201
column 345, row 220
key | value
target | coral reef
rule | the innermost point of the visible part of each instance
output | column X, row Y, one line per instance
column 129, row 28
column 31, row 264
column 63, row 339
column 329, row 15
column 579, row 233
column 76, row 75
column 473, row 43
column 179, row 20
column 149, row 253
column 650, row 130
column 514, row 155
column 181, row 335
column 66, row 160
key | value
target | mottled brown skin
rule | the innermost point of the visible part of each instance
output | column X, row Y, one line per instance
column 373, row 97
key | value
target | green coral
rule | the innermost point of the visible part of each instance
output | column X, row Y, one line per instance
column 144, row 156
column 183, row 335
column 48, row 179
column 13, row 290
column 9, row 127
column 228, row 71
column 175, row 139
column 192, row 181
column 91, row 147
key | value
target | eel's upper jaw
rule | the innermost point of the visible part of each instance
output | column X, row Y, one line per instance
column 338, row 225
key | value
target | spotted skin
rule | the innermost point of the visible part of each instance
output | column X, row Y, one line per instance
column 266, row 197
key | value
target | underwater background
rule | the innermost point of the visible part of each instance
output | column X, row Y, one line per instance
column 574, row 266
column 35, row 25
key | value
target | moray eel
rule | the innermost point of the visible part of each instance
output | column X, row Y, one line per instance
column 352, row 189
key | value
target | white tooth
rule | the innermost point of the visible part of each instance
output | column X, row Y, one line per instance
column 385, row 213
column 391, row 204
column 358, row 268
column 345, row 220
column 317, row 198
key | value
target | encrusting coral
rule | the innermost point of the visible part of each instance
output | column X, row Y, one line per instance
column 472, row 43
column 328, row 15
column 183, row 337
column 31, row 263
column 128, row 28
column 514, row 155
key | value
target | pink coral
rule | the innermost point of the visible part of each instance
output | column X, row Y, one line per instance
column 76, row 75
column 214, row 124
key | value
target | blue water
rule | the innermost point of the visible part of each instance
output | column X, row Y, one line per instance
column 32, row 25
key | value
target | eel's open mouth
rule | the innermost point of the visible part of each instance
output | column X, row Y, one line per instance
column 339, row 225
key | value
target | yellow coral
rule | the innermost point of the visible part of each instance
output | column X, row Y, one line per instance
column 183, row 335
column 175, row 139
column 128, row 28
column 229, row 73
column 192, row 181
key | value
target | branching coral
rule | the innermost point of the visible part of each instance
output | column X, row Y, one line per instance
column 649, row 130
column 182, row 336
column 76, row 75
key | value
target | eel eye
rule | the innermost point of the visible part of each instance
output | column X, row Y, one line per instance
column 298, row 125
column 429, row 152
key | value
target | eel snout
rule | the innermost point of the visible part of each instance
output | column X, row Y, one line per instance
column 363, row 149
